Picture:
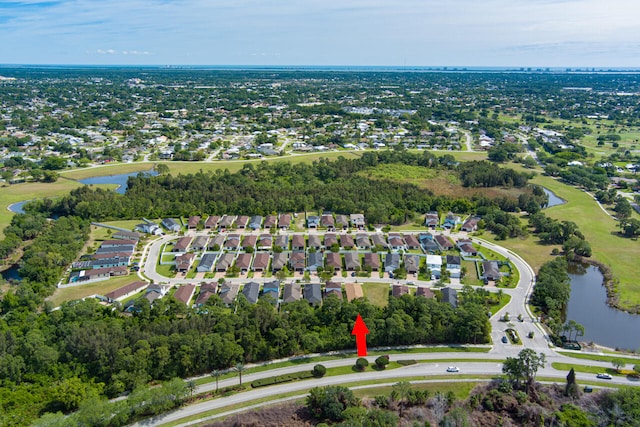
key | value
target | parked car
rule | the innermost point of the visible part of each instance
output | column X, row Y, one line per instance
column 505, row 339
column 453, row 369
column 604, row 376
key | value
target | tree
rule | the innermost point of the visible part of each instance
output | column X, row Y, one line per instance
column 382, row 362
column 161, row 168
column 400, row 392
column 239, row 368
column 571, row 388
column 361, row 364
column 524, row 367
column 329, row 403
column 319, row 371
column 216, row 373
column 618, row 364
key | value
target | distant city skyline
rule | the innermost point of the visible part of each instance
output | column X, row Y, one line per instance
column 411, row 33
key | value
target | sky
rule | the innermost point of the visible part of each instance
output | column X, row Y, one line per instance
column 518, row 33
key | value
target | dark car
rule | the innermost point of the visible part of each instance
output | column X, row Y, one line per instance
column 505, row 339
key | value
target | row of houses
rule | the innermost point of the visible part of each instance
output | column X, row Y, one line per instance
column 450, row 221
column 110, row 259
column 313, row 293
column 362, row 241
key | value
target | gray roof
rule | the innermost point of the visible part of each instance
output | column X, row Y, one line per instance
column 292, row 292
column 251, row 291
column 313, row 293
column 255, row 222
column 391, row 262
column 315, row 260
column 206, row 263
column 451, row 296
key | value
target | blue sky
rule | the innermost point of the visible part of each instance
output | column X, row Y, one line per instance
column 573, row 33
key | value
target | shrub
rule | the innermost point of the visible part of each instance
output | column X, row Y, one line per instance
column 361, row 364
column 407, row 362
column 382, row 362
column 319, row 371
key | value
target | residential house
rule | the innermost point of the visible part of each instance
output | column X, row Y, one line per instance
column 279, row 261
column 111, row 250
column 315, row 260
column 206, row 263
column 284, row 222
column 224, row 262
column 116, row 261
column 185, row 293
column 265, row 242
column 313, row 293
column 282, row 241
column 412, row 263
column 272, row 289
column 346, row 241
column 270, row 221
column 249, row 241
column 243, row 262
column 199, row 243
column 466, row 248
column 327, row 221
column 206, row 291
column 330, row 239
column 395, row 242
column 297, row 242
column 297, row 261
column 379, row 241
column 314, row 242
column 226, row 221
column 334, row 261
column 351, row 261
column 353, row 291
column 362, row 241
column 357, row 221
column 454, row 266
column 149, row 228
column 333, row 288
column 428, row 243
column 171, row 225
column 444, row 242
column 217, row 242
column 397, row 290
column 229, row 292
column 126, row 291
column 372, row 261
column 96, row 275
column 251, row 291
column 451, row 296
column 255, row 223
column 470, row 224
column 241, row 221
column 451, row 221
column 491, row 271
column 232, row 242
column 342, row 221
column 411, row 242
column 292, row 292
column 434, row 264
column 391, row 262
column 117, row 243
column 184, row 261
column 182, row 244
column 432, row 219
column 423, row 291
column 260, row 261
column 128, row 235
column 212, row 222
column 193, row 222
column 154, row 292
column 313, row 221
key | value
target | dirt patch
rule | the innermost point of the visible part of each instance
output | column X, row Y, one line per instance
column 288, row 414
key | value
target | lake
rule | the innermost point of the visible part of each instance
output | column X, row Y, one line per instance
column 553, row 199
column 120, row 180
column 603, row 325
column 11, row 273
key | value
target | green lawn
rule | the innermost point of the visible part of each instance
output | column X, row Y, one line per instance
column 582, row 368
column 82, row 291
column 376, row 293
column 601, row 358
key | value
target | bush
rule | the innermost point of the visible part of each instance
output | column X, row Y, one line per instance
column 319, row 371
column 282, row 379
column 382, row 362
column 361, row 364
column 407, row 362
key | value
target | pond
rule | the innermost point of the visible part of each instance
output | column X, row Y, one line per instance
column 11, row 273
column 553, row 199
column 120, row 180
column 603, row 325
column 18, row 207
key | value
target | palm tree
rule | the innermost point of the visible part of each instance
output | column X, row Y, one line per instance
column 239, row 368
column 216, row 373
column 400, row 393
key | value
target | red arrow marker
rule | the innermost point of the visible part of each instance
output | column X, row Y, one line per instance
column 360, row 331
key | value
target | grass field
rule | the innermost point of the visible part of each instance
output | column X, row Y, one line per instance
column 376, row 293
column 460, row 389
column 82, row 291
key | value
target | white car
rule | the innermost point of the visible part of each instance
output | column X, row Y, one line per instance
column 604, row 376
column 453, row 369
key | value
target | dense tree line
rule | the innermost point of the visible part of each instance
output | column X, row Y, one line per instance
column 284, row 187
column 552, row 290
column 23, row 227
column 57, row 359
column 565, row 233
column 589, row 178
